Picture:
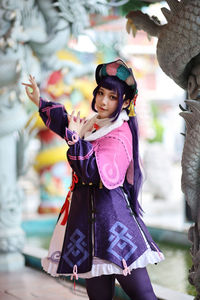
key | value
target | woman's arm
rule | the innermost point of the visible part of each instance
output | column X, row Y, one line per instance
column 82, row 159
column 53, row 114
column 80, row 154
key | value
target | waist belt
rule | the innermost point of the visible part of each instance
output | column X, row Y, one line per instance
column 82, row 183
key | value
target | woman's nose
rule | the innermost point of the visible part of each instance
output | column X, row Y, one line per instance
column 104, row 100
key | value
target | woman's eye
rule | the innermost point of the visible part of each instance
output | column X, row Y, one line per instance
column 113, row 97
column 100, row 93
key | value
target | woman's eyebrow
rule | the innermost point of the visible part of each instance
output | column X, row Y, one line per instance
column 113, row 93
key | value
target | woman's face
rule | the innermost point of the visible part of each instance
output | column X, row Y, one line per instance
column 106, row 102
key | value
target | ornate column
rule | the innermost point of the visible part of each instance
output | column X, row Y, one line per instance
column 12, row 118
column 12, row 142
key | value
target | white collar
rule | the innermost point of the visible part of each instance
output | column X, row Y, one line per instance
column 106, row 126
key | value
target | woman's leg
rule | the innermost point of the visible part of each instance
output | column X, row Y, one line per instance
column 101, row 287
column 137, row 285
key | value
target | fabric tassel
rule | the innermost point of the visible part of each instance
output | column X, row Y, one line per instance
column 65, row 207
column 132, row 109
column 75, row 275
column 126, row 269
column 132, row 105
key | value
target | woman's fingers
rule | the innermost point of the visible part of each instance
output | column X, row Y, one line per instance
column 75, row 118
column 75, row 122
column 32, row 90
column 32, row 83
column 32, row 80
column 29, row 89
column 29, row 93
column 27, row 84
column 70, row 117
column 82, row 121
column 78, row 117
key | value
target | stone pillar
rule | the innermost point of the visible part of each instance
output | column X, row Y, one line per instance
column 11, row 235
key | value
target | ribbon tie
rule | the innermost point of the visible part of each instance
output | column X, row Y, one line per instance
column 75, row 275
column 65, row 207
column 126, row 269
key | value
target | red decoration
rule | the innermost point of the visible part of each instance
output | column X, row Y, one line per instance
column 96, row 126
column 54, row 77
column 65, row 207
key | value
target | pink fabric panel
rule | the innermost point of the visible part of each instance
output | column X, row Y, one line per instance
column 113, row 156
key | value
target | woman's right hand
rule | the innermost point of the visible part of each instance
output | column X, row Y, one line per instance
column 33, row 95
column 75, row 122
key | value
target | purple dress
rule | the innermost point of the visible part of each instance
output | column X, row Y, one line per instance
column 101, row 224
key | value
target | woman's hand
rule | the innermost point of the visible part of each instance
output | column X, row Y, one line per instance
column 33, row 95
column 75, row 122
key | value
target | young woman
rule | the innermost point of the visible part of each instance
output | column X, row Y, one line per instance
column 103, row 237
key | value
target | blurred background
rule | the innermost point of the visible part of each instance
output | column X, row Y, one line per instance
column 161, row 142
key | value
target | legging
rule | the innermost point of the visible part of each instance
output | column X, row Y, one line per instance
column 137, row 286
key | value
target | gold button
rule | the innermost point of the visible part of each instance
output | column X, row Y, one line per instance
column 100, row 184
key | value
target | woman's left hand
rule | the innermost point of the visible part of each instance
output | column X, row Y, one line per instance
column 75, row 122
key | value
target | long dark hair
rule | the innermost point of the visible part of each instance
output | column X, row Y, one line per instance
column 124, row 93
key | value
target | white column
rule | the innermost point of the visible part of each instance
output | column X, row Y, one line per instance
column 12, row 236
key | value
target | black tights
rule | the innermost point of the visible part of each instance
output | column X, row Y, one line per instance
column 137, row 286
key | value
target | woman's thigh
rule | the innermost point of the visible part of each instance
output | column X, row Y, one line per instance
column 137, row 285
column 101, row 287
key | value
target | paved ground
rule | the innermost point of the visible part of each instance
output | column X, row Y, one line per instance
column 30, row 284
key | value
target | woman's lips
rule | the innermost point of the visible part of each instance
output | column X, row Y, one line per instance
column 101, row 108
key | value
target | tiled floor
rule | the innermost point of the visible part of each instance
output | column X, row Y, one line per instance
column 30, row 284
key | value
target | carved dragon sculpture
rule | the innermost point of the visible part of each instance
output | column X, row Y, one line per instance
column 178, row 44
column 178, row 53
column 191, row 183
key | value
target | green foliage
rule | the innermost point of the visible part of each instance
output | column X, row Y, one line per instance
column 157, row 125
column 132, row 5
